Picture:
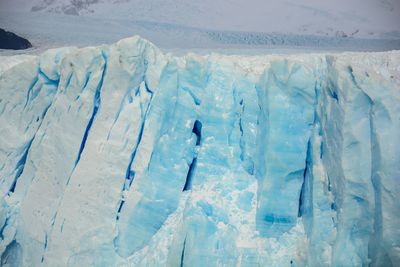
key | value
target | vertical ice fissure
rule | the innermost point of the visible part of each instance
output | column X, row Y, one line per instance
column 20, row 166
column 192, row 167
column 247, row 161
column 304, row 195
column 45, row 247
column 31, row 86
column 129, row 173
column 96, row 107
column 183, row 253
column 3, row 227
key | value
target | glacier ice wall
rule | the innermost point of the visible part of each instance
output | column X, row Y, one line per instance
column 124, row 156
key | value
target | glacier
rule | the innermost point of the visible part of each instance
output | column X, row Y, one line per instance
column 123, row 155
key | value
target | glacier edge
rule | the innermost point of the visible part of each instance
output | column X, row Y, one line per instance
column 122, row 155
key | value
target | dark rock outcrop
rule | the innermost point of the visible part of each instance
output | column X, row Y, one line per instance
column 9, row 40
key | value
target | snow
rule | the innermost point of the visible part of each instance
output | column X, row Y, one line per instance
column 324, row 25
column 11, row 61
column 123, row 155
column 359, row 17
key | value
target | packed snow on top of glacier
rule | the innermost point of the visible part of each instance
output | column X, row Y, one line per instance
column 306, row 25
column 122, row 155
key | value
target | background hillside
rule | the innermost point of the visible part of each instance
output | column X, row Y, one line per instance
column 208, row 23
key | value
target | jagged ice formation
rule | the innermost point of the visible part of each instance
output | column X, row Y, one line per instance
column 124, row 156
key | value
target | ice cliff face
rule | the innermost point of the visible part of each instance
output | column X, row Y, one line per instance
column 124, row 156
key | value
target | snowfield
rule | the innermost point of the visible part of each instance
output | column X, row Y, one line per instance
column 122, row 155
column 341, row 25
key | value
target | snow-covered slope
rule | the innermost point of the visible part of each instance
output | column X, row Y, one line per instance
column 343, row 17
column 208, row 23
column 124, row 156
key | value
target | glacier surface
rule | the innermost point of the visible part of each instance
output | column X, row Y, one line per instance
column 122, row 155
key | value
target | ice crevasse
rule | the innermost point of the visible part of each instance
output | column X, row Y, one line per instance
column 123, row 155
